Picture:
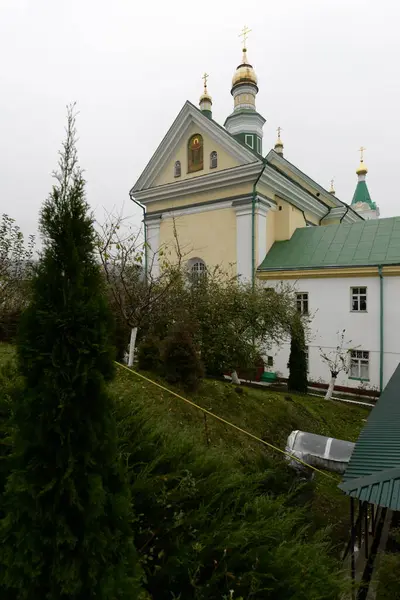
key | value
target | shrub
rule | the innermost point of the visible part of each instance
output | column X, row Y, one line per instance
column 297, row 361
column 181, row 360
column 149, row 354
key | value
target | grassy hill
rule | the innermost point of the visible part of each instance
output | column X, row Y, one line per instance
column 268, row 415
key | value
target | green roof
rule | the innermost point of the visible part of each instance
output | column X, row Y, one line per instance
column 373, row 473
column 362, row 195
column 366, row 243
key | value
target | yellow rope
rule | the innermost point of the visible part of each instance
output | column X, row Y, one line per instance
column 207, row 412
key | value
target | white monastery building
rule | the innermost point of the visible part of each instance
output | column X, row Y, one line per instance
column 261, row 217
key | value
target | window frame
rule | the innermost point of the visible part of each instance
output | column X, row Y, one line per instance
column 213, row 155
column 258, row 145
column 358, row 357
column 249, row 135
column 270, row 361
column 358, row 295
column 176, row 165
column 302, row 300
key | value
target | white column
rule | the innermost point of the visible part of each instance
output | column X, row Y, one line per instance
column 261, row 234
column 243, row 242
column 153, row 246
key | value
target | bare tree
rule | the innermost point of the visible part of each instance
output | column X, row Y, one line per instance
column 137, row 287
column 337, row 361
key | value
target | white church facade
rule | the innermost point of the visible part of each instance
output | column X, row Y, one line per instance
column 259, row 216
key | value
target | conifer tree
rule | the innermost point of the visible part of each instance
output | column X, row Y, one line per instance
column 297, row 360
column 67, row 530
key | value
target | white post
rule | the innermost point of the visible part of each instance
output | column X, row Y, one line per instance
column 132, row 346
column 235, row 378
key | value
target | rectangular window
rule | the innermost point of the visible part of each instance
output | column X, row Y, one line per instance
column 302, row 302
column 249, row 140
column 359, row 299
column 359, row 364
column 270, row 361
column 258, row 145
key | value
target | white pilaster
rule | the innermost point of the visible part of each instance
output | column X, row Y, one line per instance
column 243, row 242
column 153, row 246
column 261, row 212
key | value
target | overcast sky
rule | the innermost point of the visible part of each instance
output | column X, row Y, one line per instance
column 328, row 74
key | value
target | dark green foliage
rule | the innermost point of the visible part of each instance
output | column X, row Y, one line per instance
column 149, row 354
column 181, row 359
column 297, row 361
column 208, row 523
column 67, row 530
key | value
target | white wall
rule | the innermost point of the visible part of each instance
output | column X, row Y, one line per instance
column 329, row 307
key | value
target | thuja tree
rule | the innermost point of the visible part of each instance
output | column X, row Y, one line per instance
column 66, row 534
column 297, row 360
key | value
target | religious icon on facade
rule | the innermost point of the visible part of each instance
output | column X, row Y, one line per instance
column 195, row 153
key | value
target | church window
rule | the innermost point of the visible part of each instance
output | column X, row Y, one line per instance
column 359, row 364
column 359, row 299
column 195, row 153
column 177, row 169
column 302, row 302
column 248, row 139
column 197, row 268
column 270, row 361
column 258, row 145
column 213, row 160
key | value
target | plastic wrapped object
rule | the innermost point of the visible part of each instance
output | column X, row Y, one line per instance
column 329, row 454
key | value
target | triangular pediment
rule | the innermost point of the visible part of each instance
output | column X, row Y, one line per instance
column 160, row 169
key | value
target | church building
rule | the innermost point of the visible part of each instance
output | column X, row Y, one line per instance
column 257, row 215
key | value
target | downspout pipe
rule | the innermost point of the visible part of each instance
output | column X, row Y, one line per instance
column 381, row 340
column 253, row 225
column 140, row 205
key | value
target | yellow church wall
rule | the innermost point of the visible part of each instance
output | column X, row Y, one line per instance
column 208, row 196
column 288, row 218
column 270, row 231
column 209, row 235
column 225, row 160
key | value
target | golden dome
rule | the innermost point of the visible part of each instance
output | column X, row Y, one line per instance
column 244, row 73
column 362, row 169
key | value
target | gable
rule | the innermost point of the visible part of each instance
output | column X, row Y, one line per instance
column 225, row 160
column 190, row 120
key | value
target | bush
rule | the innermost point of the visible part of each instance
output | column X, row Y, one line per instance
column 149, row 354
column 208, row 523
column 297, row 361
column 181, row 360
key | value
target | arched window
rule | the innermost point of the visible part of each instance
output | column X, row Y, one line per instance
column 213, row 160
column 195, row 153
column 197, row 268
column 177, row 169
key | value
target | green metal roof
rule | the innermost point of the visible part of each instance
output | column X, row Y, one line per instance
column 362, row 195
column 373, row 473
column 366, row 243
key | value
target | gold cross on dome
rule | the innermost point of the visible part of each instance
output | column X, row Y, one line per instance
column 332, row 182
column 205, row 77
column 244, row 35
column 279, row 132
column 361, row 151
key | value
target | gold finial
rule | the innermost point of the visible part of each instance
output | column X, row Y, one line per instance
column 279, row 133
column 332, row 190
column 362, row 169
column 244, row 35
column 279, row 144
column 205, row 77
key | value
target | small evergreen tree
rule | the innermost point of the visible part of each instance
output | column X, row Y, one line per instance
column 149, row 354
column 297, row 361
column 66, row 534
column 182, row 363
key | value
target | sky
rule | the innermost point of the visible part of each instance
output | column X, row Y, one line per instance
column 328, row 75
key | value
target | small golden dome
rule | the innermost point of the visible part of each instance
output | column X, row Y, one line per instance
column 205, row 97
column 244, row 73
column 362, row 169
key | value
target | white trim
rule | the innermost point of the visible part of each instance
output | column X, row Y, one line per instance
column 202, row 183
column 193, row 210
column 188, row 116
column 258, row 145
column 249, row 123
column 243, row 242
column 251, row 136
column 261, row 212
